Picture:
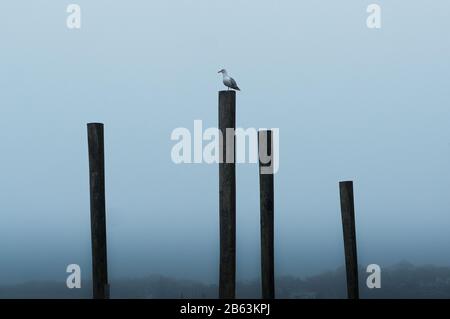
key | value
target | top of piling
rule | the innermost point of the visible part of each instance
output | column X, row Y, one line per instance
column 346, row 185
column 227, row 92
column 227, row 99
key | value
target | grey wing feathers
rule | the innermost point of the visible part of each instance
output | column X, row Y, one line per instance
column 234, row 84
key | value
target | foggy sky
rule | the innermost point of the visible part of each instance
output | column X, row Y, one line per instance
column 351, row 103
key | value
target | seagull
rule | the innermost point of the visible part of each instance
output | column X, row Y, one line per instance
column 228, row 80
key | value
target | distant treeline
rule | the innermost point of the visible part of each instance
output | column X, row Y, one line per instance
column 402, row 280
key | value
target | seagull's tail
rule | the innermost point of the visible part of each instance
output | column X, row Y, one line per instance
column 237, row 88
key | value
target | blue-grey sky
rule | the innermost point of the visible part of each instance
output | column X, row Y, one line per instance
column 351, row 103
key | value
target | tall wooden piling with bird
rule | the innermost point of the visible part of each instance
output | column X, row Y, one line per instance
column 227, row 195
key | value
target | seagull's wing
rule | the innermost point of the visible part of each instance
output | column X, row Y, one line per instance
column 234, row 84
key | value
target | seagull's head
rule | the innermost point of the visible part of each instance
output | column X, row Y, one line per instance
column 223, row 71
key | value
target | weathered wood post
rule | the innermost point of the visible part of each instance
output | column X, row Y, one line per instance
column 227, row 194
column 266, row 197
column 98, row 211
column 348, row 225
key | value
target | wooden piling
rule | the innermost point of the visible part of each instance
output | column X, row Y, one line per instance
column 266, row 196
column 227, row 195
column 348, row 225
column 98, row 211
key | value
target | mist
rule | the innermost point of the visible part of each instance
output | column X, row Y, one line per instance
column 350, row 103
